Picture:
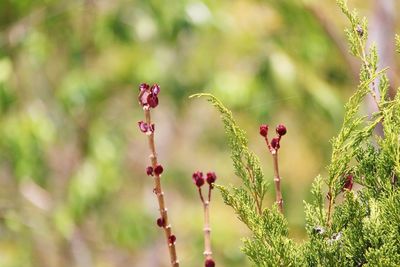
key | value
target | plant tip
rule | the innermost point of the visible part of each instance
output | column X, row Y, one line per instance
column 264, row 130
column 281, row 129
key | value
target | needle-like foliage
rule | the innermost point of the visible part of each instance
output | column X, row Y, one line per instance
column 363, row 227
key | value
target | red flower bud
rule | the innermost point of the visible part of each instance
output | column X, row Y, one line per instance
column 211, row 177
column 152, row 100
column 281, row 129
column 158, row 169
column 149, row 171
column 155, row 89
column 200, row 182
column 143, row 126
column 198, row 178
column 209, row 263
column 264, row 130
column 275, row 143
column 172, row 239
column 143, row 87
column 160, row 222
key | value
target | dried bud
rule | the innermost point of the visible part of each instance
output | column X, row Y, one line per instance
column 155, row 89
column 158, row 169
column 160, row 222
column 281, row 129
column 264, row 130
column 275, row 143
column 211, row 177
column 143, row 87
column 143, row 126
column 172, row 239
column 149, row 171
column 209, row 263
column 359, row 30
column 152, row 100
column 348, row 182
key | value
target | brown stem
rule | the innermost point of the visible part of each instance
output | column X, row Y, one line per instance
column 330, row 206
column 207, row 229
column 160, row 194
column 277, row 180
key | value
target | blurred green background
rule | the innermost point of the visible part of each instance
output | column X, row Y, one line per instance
column 73, row 191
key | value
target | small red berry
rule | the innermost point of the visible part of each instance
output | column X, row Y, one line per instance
column 143, row 126
column 152, row 100
column 149, row 171
column 211, row 177
column 155, row 89
column 172, row 239
column 281, row 129
column 264, row 130
column 209, row 263
column 275, row 143
column 160, row 222
column 158, row 170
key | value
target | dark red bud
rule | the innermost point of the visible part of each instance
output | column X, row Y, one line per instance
column 275, row 143
column 149, row 171
column 152, row 100
column 155, row 89
column 143, row 87
column 160, row 222
column 172, row 239
column 264, row 130
column 197, row 175
column 199, row 181
column 158, row 169
column 198, row 178
column 209, row 263
column 143, row 126
column 211, row 177
column 281, row 129
column 348, row 182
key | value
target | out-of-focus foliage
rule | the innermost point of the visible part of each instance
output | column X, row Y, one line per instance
column 72, row 187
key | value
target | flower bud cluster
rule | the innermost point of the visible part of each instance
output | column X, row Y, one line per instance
column 148, row 96
column 158, row 170
column 199, row 180
column 274, row 145
column 146, row 128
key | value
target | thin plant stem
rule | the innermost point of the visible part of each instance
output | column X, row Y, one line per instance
column 160, row 194
column 207, row 229
column 277, row 180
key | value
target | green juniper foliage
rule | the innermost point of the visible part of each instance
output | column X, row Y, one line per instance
column 363, row 229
